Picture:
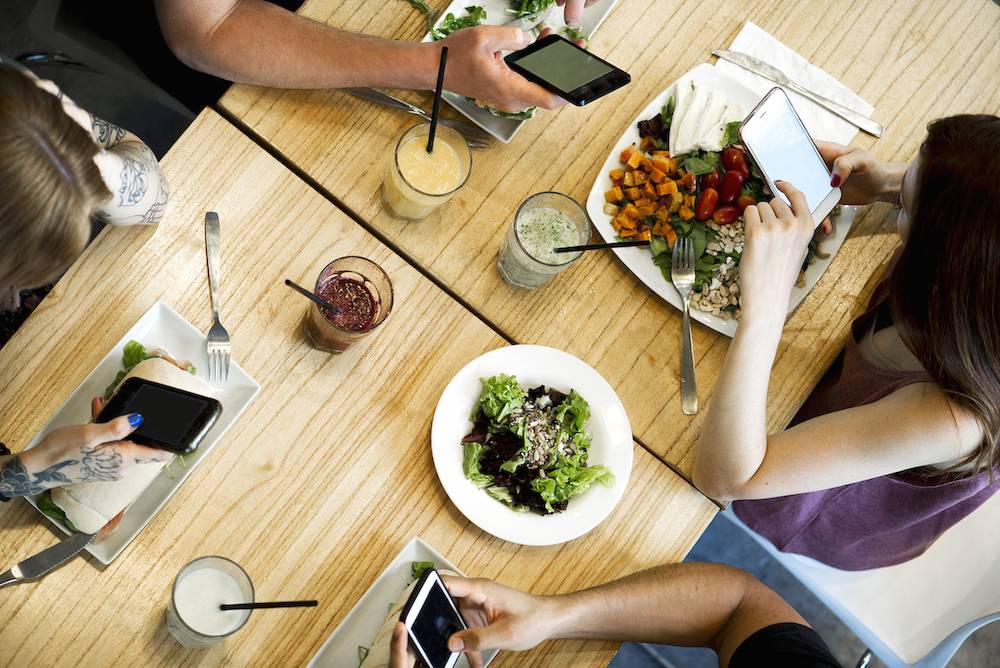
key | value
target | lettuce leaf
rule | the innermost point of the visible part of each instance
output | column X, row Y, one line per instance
column 451, row 23
column 470, row 465
column 50, row 509
column 573, row 412
column 731, row 134
column 133, row 353
column 502, row 494
column 417, row 568
column 501, row 394
column 563, row 483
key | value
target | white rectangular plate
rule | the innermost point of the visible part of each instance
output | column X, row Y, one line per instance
column 366, row 617
column 159, row 327
column 504, row 129
column 640, row 261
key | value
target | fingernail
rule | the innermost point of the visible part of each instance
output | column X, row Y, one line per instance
column 455, row 644
column 835, row 180
column 135, row 419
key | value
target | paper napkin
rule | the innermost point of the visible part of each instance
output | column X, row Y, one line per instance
column 820, row 123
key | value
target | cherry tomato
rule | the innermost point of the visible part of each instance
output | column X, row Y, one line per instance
column 725, row 215
column 708, row 200
column 744, row 201
column 710, row 180
column 732, row 183
column 733, row 158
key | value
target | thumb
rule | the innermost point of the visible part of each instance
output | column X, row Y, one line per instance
column 504, row 38
column 795, row 197
column 474, row 640
column 398, row 657
column 113, row 430
column 842, row 168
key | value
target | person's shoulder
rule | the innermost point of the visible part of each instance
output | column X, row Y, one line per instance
column 956, row 427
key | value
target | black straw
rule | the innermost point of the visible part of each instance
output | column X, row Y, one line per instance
column 271, row 604
column 316, row 298
column 614, row 244
column 437, row 99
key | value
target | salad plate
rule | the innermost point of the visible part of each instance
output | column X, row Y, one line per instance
column 348, row 644
column 610, row 443
column 639, row 259
column 159, row 327
column 502, row 128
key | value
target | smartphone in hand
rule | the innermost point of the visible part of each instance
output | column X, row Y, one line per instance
column 778, row 142
column 569, row 71
column 431, row 617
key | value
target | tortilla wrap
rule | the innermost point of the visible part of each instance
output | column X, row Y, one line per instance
column 91, row 505
column 378, row 656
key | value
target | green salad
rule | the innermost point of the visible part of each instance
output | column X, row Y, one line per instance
column 529, row 449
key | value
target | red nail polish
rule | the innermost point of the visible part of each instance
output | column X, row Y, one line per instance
column 835, row 180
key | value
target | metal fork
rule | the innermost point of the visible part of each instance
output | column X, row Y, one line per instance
column 474, row 136
column 682, row 275
column 218, row 345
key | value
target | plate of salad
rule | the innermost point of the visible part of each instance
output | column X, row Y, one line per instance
column 679, row 171
column 465, row 13
column 532, row 445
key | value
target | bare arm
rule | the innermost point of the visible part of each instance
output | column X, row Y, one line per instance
column 697, row 605
column 252, row 41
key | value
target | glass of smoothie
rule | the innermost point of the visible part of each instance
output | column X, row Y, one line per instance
column 417, row 182
column 544, row 222
column 361, row 291
column 194, row 618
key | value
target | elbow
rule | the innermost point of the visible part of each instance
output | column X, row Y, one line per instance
column 191, row 48
column 715, row 485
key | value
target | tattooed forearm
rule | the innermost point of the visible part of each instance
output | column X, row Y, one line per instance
column 15, row 480
column 100, row 464
column 105, row 134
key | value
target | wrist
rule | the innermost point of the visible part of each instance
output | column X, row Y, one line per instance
column 561, row 613
column 892, row 184
column 423, row 60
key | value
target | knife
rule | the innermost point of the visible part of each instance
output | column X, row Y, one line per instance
column 47, row 560
column 771, row 73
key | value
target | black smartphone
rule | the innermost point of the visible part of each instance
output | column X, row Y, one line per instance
column 569, row 71
column 173, row 419
column 431, row 617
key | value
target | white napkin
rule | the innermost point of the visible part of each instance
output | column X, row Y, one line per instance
column 820, row 123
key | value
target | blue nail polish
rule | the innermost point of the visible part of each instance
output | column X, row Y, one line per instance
column 135, row 419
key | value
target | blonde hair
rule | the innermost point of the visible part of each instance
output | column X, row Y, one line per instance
column 49, row 184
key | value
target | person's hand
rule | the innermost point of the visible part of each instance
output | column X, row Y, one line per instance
column 777, row 238
column 399, row 654
column 476, row 69
column 861, row 178
column 85, row 453
column 498, row 617
column 573, row 11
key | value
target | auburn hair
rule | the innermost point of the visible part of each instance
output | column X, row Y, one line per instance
column 945, row 286
column 49, row 184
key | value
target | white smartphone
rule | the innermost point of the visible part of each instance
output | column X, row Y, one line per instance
column 431, row 617
column 780, row 145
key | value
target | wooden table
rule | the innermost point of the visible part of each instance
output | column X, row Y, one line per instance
column 325, row 477
column 909, row 58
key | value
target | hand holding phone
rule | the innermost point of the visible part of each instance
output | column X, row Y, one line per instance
column 780, row 145
column 431, row 617
column 569, row 71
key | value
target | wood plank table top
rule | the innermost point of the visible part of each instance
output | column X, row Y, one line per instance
column 324, row 478
column 912, row 60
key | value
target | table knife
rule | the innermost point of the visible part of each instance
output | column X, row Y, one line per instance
column 761, row 68
column 47, row 560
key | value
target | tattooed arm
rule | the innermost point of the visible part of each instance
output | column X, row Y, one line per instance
column 83, row 453
column 132, row 174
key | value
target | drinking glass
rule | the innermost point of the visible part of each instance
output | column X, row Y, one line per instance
column 409, row 202
column 193, row 617
column 516, row 264
column 321, row 330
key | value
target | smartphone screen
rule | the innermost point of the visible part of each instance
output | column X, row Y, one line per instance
column 431, row 618
column 781, row 147
column 172, row 419
column 567, row 70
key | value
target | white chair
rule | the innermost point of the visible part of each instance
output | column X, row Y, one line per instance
column 916, row 614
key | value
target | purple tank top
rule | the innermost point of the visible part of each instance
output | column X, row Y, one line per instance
column 873, row 523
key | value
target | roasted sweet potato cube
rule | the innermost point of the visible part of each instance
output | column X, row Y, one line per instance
column 646, row 143
column 630, row 211
column 649, row 190
column 644, row 235
column 635, row 159
column 642, row 201
column 646, row 210
column 670, row 234
column 688, row 182
column 685, row 213
column 689, row 201
column 617, row 174
column 614, row 195
column 661, row 164
column 661, row 154
column 656, row 176
column 647, row 164
column 666, row 188
column 640, row 177
column 622, row 222
column 629, row 179
column 611, row 209
column 633, row 193
column 676, row 201
column 663, row 214
column 627, row 153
